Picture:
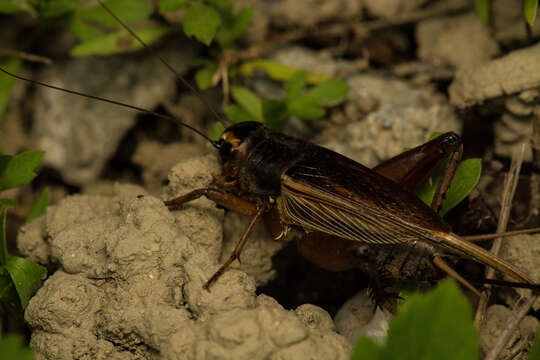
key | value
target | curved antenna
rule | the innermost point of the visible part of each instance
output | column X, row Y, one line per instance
column 99, row 98
column 167, row 65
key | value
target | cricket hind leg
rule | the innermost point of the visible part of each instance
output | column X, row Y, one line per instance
column 412, row 168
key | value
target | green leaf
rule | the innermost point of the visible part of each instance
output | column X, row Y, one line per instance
column 236, row 114
column 26, row 275
column 534, row 354
column 8, row 294
column 465, row 180
column 40, row 205
column 231, row 30
column 216, row 131
column 328, row 93
column 201, row 21
column 222, row 5
column 437, row 325
column 306, row 109
column 59, row 7
column 275, row 113
column 18, row 170
column 12, row 347
column 204, row 76
column 7, row 83
column 295, row 85
column 482, row 8
column 3, row 241
column 119, row 42
column 7, row 202
column 366, row 348
column 279, row 71
column 13, row 6
column 249, row 101
column 91, row 22
column 166, row 6
column 529, row 10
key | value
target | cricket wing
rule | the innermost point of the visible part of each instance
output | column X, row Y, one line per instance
column 338, row 196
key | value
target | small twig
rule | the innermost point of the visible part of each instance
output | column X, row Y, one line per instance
column 25, row 56
column 510, row 185
column 484, row 237
column 519, row 312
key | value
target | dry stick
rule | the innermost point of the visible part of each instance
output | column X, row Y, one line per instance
column 521, row 310
column 509, row 190
column 484, row 237
column 25, row 56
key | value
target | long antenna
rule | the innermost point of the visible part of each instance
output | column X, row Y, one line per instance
column 178, row 76
column 99, row 98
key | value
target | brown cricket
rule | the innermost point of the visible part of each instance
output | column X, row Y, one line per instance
column 331, row 202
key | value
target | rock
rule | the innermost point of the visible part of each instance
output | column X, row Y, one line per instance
column 79, row 134
column 507, row 75
column 461, row 41
column 129, row 283
column 521, row 341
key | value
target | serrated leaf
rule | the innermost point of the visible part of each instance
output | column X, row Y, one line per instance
column 26, row 276
column 12, row 347
column 233, row 28
column 328, row 93
column 279, row 71
column 249, row 101
column 275, row 113
column 204, row 76
column 19, row 169
column 40, row 205
column 91, row 22
column 119, row 42
column 295, row 85
column 201, row 21
column 237, row 114
column 482, row 8
column 166, row 6
column 530, row 8
column 7, row 83
column 534, row 354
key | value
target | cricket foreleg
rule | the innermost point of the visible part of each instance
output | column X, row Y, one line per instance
column 220, row 197
column 237, row 249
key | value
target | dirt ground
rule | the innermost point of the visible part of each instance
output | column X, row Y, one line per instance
column 126, row 274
